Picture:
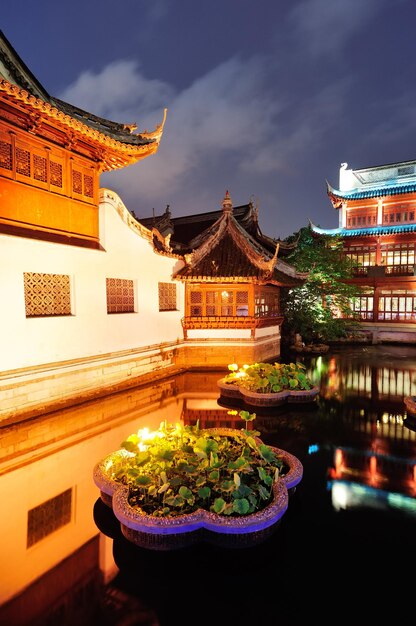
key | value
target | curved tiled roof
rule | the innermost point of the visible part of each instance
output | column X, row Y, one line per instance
column 118, row 144
column 373, row 192
column 226, row 251
column 363, row 232
column 185, row 230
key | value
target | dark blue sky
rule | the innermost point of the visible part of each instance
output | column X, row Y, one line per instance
column 265, row 99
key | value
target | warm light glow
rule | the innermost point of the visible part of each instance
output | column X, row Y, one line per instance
column 145, row 434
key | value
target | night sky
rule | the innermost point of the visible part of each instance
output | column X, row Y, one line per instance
column 265, row 98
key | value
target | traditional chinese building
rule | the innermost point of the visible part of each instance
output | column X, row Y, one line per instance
column 92, row 299
column 75, row 284
column 377, row 222
column 232, row 277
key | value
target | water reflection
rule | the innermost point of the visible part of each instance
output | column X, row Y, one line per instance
column 67, row 562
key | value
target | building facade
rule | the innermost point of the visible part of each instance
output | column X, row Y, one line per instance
column 93, row 299
column 232, row 278
column 377, row 223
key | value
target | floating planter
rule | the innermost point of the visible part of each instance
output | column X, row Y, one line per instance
column 183, row 484
column 268, row 385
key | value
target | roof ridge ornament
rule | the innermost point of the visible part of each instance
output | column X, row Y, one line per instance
column 227, row 203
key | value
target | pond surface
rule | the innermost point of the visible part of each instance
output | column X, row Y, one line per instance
column 342, row 553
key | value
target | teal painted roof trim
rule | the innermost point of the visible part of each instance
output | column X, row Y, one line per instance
column 393, row 190
column 374, row 230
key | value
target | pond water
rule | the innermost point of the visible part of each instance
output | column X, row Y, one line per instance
column 342, row 553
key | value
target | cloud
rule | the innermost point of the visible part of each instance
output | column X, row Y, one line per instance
column 324, row 26
column 230, row 128
column 119, row 92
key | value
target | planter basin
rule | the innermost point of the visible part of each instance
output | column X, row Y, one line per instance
column 279, row 398
column 228, row 390
column 165, row 533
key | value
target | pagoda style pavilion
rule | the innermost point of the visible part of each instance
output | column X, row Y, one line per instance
column 377, row 223
column 232, row 276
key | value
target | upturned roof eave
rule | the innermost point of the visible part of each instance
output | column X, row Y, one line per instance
column 126, row 153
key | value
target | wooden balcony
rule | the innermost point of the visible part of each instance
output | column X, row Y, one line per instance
column 228, row 321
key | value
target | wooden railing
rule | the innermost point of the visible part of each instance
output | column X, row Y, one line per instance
column 225, row 321
column 384, row 270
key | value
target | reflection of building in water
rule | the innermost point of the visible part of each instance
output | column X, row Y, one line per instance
column 376, row 388
column 378, row 469
column 209, row 414
column 56, row 561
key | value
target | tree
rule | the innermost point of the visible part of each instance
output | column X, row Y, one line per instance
column 320, row 309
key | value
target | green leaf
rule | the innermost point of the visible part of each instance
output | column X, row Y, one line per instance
column 206, row 444
column 264, row 476
column 267, row 453
column 228, row 486
column 264, row 493
column 204, row 493
column 185, row 492
column 142, row 480
column 214, row 476
column 219, row 505
column 241, row 506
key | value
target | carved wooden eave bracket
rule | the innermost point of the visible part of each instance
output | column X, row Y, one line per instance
column 116, row 153
column 165, row 241
column 336, row 201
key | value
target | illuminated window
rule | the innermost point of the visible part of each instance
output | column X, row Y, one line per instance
column 397, row 306
column 82, row 181
column 362, row 307
column 120, row 295
column 167, row 297
column 266, row 302
column 46, row 294
column 228, row 302
column 44, row 519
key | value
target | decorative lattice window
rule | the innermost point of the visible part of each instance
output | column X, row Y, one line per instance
column 23, row 162
column 47, row 294
column 5, row 155
column 196, row 303
column 88, row 186
column 242, row 303
column 44, row 519
column 120, row 295
column 40, row 168
column 167, row 297
column 227, row 302
column 76, row 182
column 55, row 174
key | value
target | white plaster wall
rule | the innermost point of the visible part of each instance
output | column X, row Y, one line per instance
column 90, row 331
column 219, row 333
column 232, row 333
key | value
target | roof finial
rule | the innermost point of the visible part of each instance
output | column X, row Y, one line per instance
column 227, row 204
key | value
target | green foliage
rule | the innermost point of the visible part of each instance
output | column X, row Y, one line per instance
column 313, row 310
column 274, row 377
column 185, row 468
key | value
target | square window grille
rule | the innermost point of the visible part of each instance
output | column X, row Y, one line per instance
column 46, row 294
column 167, row 297
column 44, row 519
column 120, row 295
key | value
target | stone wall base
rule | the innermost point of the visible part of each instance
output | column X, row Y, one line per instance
column 30, row 392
